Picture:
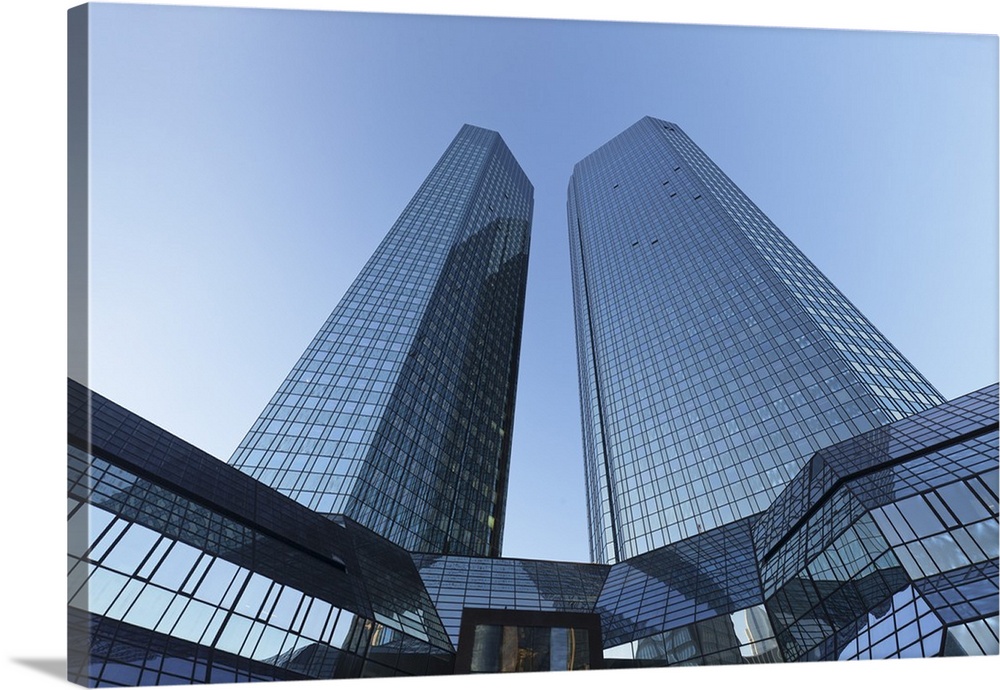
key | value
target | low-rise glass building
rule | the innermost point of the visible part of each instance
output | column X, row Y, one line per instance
column 185, row 570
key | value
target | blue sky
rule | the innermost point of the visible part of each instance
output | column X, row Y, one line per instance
column 899, row 210
column 245, row 163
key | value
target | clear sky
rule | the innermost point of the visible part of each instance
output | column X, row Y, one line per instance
column 246, row 162
column 876, row 153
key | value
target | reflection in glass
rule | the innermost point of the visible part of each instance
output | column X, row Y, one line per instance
column 511, row 648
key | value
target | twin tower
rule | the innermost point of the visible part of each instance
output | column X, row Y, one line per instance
column 714, row 358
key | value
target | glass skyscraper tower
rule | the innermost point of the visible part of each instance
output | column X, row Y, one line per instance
column 714, row 358
column 398, row 414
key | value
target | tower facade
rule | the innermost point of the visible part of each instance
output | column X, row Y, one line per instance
column 398, row 414
column 714, row 357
